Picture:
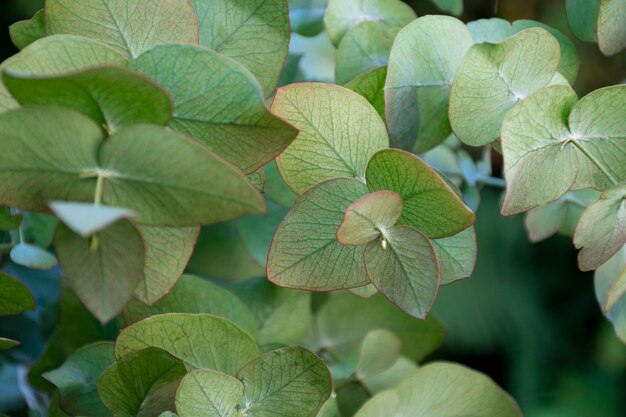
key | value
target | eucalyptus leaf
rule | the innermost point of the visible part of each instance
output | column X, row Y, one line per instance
column 583, row 18
column 601, row 230
column 452, row 6
column 219, row 102
column 32, row 256
column 379, row 351
column 275, row 187
column 131, row 30
column 371, row 85
column 103, row 271
column 401, row 369
column 86, row 219
column 493, row 77
column 257, row 231
column 6, row 344
column 366, row 291
column 611, row 28
column 253, row 32
column 77, row 378
column 343, row 15
column 199, row 340
column 403, row 266
column 430, row 205
column 15, row 297
column 422, row 64
column 457, row 256
column 307, row 16
column 554, row 141
column 305, row 253
column 25, row 32
column 208, row 393
column 610, row 282
column 321, row 152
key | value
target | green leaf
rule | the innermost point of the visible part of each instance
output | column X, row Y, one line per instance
column 9, row 221
column 196, row 295
column 131, row 30
column 289, row 382
column 15, row 297
column 102, row 271
column 307, row 16
column 560, row 216
column 345, row 319
column 391, row 377
column 168, row 250
column 142, row 383
column 371, row 85
column 343, row 15
column 422, row 64
column 275, row 187
column 611, row 28
column 452, row 6
column 610, row 285
column 321, row 151
column 257, row 231
column 430, row 205
column 379, row 351
column 491, row 30
column 493, row 77
column 573, row 144
column 403, row 267
column 368, row 217
column 207, row 393
column 25, row 32
column 253, row 32
column 444, row 390
column 111, row 96
column 257, row 178
column 40, row 228
column 601, row 231
column 456, row 255
column 365, row 47
column 6, row 344
column 219, row 102
column 86, row 219
column 583, row 18
column 32, row 256
column 305, row 253
column 76, row 380
column 199, row 340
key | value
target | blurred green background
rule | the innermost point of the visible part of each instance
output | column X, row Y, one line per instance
column 528, row 317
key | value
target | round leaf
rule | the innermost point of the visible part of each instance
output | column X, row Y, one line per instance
column 32, row 256
column 371, row 85
column 379, row 351
column 207, row 393
column 15, row 297
column 611, row 27
column 610, row 285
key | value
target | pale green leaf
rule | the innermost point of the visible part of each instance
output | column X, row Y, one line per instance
column 330, row 408
column 322, row 150
column 196, row 295
column 583, row 18
column 253, row 32
column 15, row 297
column 456, row 255
column 343, row 15
column 305, row 253
column 103, row 271
column 168, row 250
column 493, row 77
column 552, row 144
column 491, row 30
column 25, row 32
column 366, row 291
column 379, row 351
column 610, row 282
column 403, row 267
column 371, row 85
column 76, row 380
column 422, row 64
column 452, row 6
column 199, row 340
column 289, row 382
column 142, row 383
column 32, row 256
column 430, row 205
column 111, row 96
column 219, row 102
column 207, row 393
column 611, row 27
column 6, row 344
column 86, row 219
column 131, row 30
column 365, row 47
column 391, row 377
column 368, row 217
column 601, row 230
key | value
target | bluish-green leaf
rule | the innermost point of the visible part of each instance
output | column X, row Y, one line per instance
column 32, row 256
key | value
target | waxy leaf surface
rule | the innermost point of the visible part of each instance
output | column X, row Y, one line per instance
column 32, row 256
column 207, row 393
column 611, row 27
column 371, row 85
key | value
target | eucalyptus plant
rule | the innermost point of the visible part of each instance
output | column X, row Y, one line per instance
column 143, row 140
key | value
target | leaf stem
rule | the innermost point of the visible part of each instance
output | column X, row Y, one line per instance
column 595, row 161
column 99, row 189
column 493, row 181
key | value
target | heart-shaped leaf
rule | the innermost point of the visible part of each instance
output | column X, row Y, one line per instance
column 368, row 217
column 371, row 85
column 403, row 267
column 305, row 253
column 32, row 256
column 113, row 97
column 430, row 205
column 552, row 140
column 610, row 285
column 131, row 30
column 493, row 77
column 168, row 250
column 253, row 32
column 343, row 15
column 423, row 60
column 103, row 271
column 456, row 255
column 199, row 340
column 142, row 383
column 25, row 32
column 15, row 297
column 219, row 102
column 611, row 28
column 207, row 393
column 601, row 231
column 86, row 219
column 321, row 151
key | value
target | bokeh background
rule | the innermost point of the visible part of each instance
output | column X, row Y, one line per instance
column 528, row 317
